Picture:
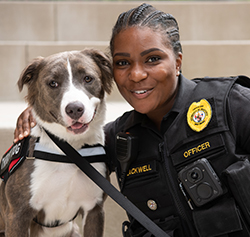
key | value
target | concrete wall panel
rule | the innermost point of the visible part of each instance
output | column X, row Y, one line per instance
column 210, row 20
column 83, row 23
column 26, row 21
column 216, row 58
column 45, row 49
column 12, row 62
column 74, row 21
column 197, row 20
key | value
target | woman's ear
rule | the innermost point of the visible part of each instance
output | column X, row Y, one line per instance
column 178, row 63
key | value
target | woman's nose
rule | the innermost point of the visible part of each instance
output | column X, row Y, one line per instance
column 137, row 73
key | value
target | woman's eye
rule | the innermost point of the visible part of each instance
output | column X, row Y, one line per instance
column 121, row 63
column 153, row 59
column 53, row 84
column 88, row 79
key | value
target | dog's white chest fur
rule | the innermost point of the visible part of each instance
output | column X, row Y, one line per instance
column 61, row 189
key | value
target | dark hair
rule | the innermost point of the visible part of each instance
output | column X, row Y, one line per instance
column 146, row 15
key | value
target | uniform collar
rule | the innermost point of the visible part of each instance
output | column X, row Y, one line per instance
column 184, row 91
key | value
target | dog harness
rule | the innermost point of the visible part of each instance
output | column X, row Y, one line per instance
column 13, row 158
column 18, row 152
column 92, row 154
column 54, row 224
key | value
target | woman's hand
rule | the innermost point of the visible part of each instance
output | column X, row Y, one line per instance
column 24, row 123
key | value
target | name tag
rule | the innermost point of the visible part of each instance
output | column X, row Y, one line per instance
column 142, row 169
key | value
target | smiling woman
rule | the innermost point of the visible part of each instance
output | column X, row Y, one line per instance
column 176, row 122
column 146, row 73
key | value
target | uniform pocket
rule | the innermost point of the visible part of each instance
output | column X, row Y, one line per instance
column 220, row 219
column 238, row 179
column 171, row 225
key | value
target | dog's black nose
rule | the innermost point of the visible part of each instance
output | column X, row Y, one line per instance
column 74, row 110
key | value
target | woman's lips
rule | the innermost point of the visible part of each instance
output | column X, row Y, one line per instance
column 140, row 94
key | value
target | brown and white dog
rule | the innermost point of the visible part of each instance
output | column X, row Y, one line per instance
column 67, row 94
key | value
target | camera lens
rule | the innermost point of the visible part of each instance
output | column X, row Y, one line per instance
column 194, row 175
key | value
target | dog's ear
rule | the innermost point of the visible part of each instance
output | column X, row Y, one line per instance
column 29, row 73
column 104, row 63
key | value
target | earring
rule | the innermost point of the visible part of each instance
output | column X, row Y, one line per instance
column 178, row 73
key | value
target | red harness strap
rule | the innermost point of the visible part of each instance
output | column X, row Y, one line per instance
column 13, row 157
column 13, row 164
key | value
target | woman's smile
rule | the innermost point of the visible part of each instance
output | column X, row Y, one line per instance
column 141, row 94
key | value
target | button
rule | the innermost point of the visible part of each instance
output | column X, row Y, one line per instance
column 152, row 205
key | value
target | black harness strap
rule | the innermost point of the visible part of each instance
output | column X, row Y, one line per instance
column 56, row 223
column 107, row 187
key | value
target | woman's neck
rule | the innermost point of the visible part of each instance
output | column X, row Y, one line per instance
column 157, row 115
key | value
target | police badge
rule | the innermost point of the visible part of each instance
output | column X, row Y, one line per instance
column 199, row 115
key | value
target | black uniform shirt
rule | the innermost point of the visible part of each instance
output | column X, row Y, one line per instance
column 141, row 188
column 238, row 107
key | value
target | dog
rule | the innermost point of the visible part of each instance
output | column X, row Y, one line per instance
column 41, row 198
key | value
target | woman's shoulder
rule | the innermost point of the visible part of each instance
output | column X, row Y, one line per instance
column 117, row 124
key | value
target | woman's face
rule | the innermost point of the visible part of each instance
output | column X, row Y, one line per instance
column 146, row 70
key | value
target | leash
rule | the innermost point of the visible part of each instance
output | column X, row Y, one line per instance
column 107, row 187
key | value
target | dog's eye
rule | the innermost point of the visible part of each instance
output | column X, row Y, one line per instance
column 53, row 84
column 88, row 79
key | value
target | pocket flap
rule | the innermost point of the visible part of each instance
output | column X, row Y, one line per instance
column 238, row 178
column 219, row 219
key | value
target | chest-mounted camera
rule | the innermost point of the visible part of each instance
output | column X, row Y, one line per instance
column 201, row 182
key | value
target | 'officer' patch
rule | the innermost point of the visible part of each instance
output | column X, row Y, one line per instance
column 199, row 115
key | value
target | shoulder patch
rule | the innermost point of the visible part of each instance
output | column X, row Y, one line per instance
column 199, row 115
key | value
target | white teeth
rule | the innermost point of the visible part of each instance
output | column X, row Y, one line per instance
column 140, row 92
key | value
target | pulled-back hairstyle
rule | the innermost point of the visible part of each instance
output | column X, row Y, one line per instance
column 146, row 15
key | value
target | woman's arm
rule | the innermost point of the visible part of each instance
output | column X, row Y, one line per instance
column 24, row 123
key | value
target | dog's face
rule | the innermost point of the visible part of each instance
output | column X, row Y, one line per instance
column 66, row 88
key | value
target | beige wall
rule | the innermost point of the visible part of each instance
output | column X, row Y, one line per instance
column 93, row 21
column 215, row 35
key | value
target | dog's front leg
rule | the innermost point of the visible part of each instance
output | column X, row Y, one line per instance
column 94, row 223
column 17, row 225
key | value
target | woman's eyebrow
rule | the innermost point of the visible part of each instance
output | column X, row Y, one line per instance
column 150, row 50
column 122, row 54
column 142, row 53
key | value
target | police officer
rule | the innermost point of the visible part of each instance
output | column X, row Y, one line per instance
column 185, row 139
